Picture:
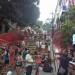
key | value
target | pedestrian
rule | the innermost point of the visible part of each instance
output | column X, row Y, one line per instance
column 19, row 60
column 29, row 63
column 11, row 57
column 6, row 59
column 73, row 59
column 24, row 53
column 47, row 65
column 37, row 62
column 63, row 66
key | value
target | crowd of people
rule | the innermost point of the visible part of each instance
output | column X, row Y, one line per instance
column 65, row 58
column 21, row 59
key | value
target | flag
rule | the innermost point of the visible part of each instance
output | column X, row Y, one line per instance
column 64, row 5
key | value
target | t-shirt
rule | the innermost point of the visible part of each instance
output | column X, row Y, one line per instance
column 38, row 44
column 24, row 54
column 6, row 57
column 43, row 46
column 38, row 59
column 29, row 60
column 23, row 43
column 49, row 47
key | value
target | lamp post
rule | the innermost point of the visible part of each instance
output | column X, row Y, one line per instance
column 52, row 36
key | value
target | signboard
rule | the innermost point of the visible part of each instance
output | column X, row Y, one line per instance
column 73, row 39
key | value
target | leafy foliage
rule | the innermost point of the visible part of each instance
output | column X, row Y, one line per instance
column 22, row 11
column 68, row 26
column 38, row 26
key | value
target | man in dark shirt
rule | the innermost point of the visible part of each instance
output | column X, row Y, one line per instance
column 64, row 61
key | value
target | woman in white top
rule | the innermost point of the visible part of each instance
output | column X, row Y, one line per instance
column 29, row 62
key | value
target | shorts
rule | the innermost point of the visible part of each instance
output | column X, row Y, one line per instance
column 6, row 61
column 18, row 64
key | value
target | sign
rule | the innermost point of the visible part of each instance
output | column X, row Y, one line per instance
column 73, row 39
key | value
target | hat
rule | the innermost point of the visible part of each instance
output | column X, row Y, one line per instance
column 9, row 73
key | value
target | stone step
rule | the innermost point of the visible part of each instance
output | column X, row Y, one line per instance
column 31, row 44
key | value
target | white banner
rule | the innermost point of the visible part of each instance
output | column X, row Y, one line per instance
column 73, row 39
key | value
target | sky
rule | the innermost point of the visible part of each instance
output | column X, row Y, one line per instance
column 46, row 8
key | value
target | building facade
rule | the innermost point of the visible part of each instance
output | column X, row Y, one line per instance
column 71, row 2
column 62, row 7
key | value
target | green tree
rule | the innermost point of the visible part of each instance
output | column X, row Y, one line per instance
column 68, row 26
column 38, row 26
column 23, row 11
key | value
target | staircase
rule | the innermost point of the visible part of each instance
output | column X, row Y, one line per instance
column 32, row 46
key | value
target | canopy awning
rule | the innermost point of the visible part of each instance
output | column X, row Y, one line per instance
column 9, row 37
